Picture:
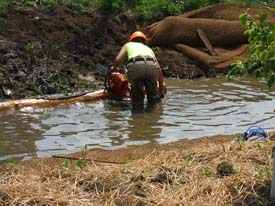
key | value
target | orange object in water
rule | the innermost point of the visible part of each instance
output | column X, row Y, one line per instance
column 118, row 85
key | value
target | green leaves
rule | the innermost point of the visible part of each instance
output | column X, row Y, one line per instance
column 195, row 4
column 66, row 163
column 152, row 8
column 260, row 60
column 206, row 171
column 80, row 163
column 263, row 17
column 244, row 18
column 271, row 80
column 4, row 7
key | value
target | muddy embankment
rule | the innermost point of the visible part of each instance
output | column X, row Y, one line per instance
column 55, row 51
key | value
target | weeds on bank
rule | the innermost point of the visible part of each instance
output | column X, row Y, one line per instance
column 13, row 161
column 32, row 51
column 190, row 154
column 239, row 141
column 80, row 163
column 151, row 8
column 206, row 171
column 4, row 7
column 264, row 174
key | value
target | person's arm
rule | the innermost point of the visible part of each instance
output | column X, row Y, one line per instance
column 161, row 83
column 119, row 58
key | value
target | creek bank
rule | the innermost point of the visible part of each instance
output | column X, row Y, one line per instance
column 55, row 51
column 211, row 170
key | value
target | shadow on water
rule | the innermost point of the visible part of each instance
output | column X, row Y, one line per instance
column 191, row 109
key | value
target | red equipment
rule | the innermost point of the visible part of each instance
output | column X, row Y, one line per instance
column 116, row 82
column 118, row 85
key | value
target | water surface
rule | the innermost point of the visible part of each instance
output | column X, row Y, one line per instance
column 191, row 109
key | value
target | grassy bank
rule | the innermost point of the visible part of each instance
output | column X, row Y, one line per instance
column 208, row 171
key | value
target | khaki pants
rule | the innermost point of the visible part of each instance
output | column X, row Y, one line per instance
column 142, row 75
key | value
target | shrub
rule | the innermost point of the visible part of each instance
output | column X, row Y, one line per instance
column 260, row 60
column 4, row 7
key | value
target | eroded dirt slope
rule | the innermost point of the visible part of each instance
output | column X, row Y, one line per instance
column 55, row 51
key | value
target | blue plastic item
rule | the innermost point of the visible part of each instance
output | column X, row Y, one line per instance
column 254, row 133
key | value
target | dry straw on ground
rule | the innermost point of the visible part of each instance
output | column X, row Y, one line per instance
column 216, row 174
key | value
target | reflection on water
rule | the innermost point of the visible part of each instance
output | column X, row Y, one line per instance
column 191, row 109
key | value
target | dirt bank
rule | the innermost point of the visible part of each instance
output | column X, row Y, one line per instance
column 55, row 51
column 209, row 171
column 50, row 51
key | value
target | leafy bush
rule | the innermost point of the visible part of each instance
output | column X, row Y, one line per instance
column 74, row 4
column 195, row 4
column 4, row 7
column 154, row 8
column 157, row 8
column 260, row 60
column 147, row 7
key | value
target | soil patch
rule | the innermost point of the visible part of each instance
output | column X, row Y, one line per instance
column 55, row 51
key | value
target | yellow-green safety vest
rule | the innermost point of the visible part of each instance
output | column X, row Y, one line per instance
column 135, row 49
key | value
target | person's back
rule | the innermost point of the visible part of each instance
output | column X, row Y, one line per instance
column 135, row 49
column 143, row 69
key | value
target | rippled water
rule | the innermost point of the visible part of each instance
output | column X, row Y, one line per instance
column 191, row 109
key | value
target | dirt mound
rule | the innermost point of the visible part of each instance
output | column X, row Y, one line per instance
column 230, row 12
column 220, row 22
column 212, row 35
column 55, row 51
column 176, row 29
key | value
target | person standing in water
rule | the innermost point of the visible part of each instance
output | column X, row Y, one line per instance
column 144, row 71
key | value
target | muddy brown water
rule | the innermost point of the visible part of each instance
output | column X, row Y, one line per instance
column 191, row 109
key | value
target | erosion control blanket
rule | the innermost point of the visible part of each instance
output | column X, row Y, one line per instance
column 213, row 35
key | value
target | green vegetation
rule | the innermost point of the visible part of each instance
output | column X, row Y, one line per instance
column 239, row 141
column 153, row 8
column 66, row 163
column 12, row 161
column 4, row 7
column 206, row 171
column 80, row 163
column 264, row 174
column 260, row 60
